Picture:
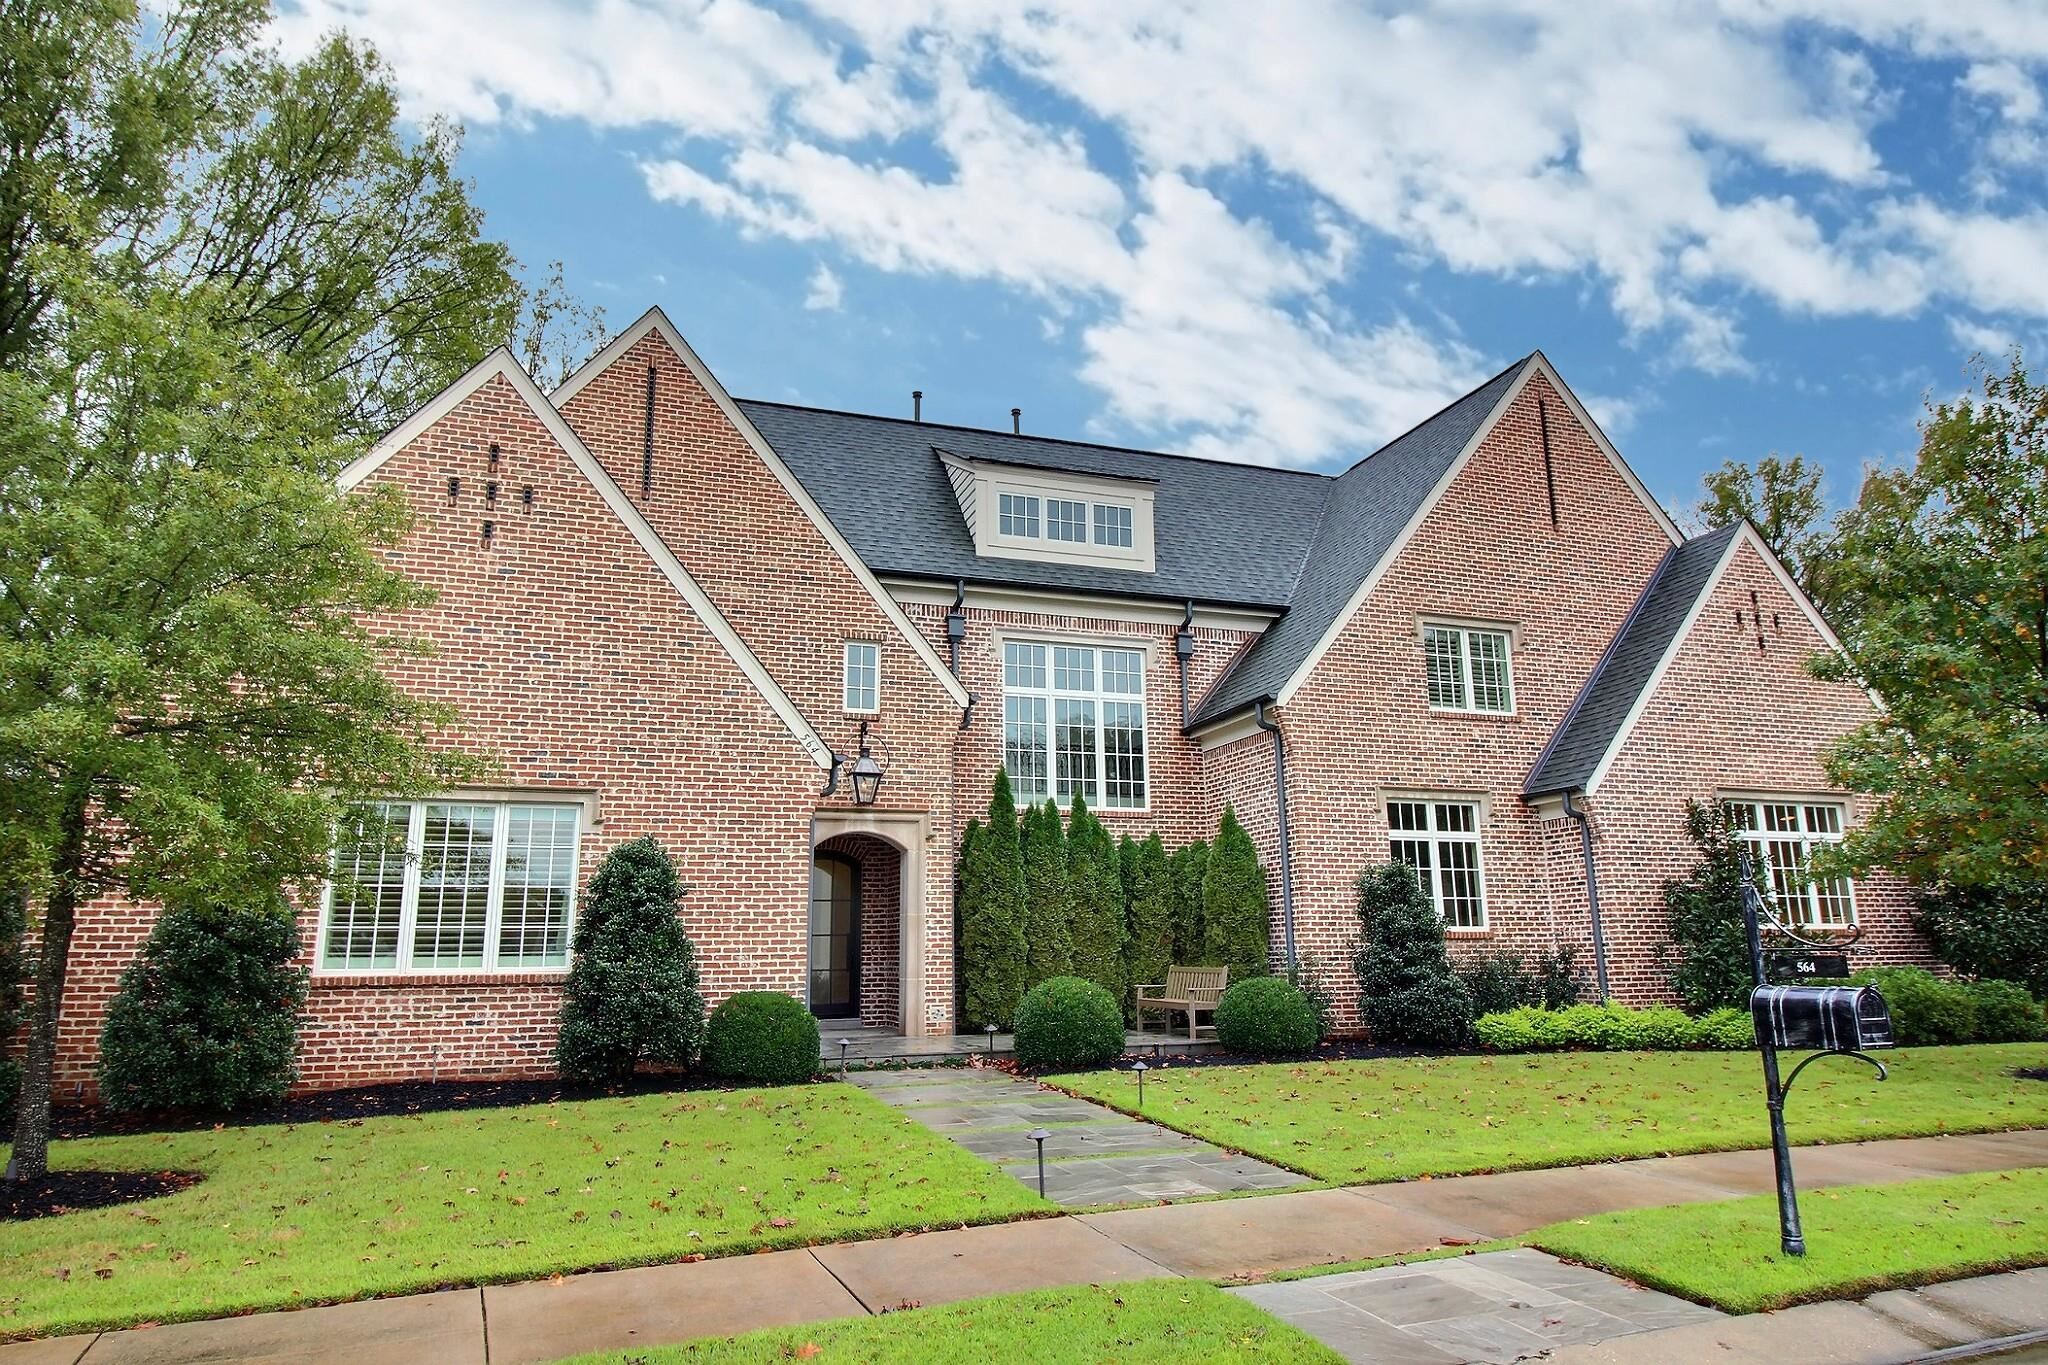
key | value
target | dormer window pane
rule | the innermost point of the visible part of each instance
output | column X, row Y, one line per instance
column 1112, row 525
column 1066, row 520
column 1017, row 515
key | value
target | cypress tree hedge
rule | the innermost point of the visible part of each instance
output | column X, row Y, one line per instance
column 1235, row 919
column 1150, row 893
column 1098, row 930
column 992, row 947
column 632, row 992
column 1048, row 897
column 1189, row 866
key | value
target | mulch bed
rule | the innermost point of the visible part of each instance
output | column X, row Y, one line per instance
column 72, row 1191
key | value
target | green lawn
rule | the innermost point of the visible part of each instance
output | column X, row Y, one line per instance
column 316, row 1213
column 1859, row 1239
column 1164, row 1322
column 1351, row 1122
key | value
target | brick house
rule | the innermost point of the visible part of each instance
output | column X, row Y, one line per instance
column 1483, row 649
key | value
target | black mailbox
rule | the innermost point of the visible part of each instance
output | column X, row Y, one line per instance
column 1821, row 1018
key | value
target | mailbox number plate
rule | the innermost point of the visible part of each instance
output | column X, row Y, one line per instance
column 1790, row 967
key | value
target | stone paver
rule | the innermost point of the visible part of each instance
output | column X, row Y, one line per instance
column 1496, row 1307
column 968, row 1263
column 546, row 1320
column 1094, row 1156
column 445, row 1328
column 1245, row 1237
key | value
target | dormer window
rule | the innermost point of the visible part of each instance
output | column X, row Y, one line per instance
column 1020, row 511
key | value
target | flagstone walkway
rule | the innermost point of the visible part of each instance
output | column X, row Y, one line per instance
column 1094, row 1156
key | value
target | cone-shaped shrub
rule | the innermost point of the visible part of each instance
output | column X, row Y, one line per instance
column 1234, row 914
column 632, row 994
column 1048, row 897
column 207, row 1016
column 1148, row 890
column 992, row 913
column 1408, row 992
column 1190, row 866
column 1100, row 935
column 1709, row 948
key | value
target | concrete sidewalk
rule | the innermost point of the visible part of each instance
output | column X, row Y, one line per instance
column 1221, row 1239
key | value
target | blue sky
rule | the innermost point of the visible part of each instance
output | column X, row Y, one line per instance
column 1280, row 232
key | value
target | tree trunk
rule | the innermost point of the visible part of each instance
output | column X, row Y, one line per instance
column 30, row 1159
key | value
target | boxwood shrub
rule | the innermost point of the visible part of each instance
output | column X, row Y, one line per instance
column 1612, row 1028
column 1267, row 1016
column 1068, row 1022
column 762, row 1036
column 1929, row 1011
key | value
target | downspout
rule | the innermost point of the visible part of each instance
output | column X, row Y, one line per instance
column 1280, row 803
column 956, row 631
column 1592, row 894
column 1184, row 650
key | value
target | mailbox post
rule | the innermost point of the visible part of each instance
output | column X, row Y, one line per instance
column 1834, row 1020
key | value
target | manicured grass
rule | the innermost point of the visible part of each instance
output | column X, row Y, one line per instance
column 1859, row 1239
column 1164, row 1322
column 1351, row 1122
column 320, row 1213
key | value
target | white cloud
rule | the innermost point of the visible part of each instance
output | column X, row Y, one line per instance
column 824, row 293
column 1981, row 337
column 1686, row 162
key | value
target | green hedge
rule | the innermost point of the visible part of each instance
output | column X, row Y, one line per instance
column 1613, row 1028
column 762, row 1036
column 1068, row 1022
column 1267, row 1016
column 1928, row 1010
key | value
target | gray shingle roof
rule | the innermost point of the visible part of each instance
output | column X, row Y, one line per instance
column 1596, row 716
column 1227, row 534
column 1367, row 507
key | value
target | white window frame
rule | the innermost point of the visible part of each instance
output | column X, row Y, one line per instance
column 1011, row 507
column 1072, row 513
column 1436, row 837
column 494, row 905
column 872, row 665
column 1809, row 905
column 1464, row 631
column 1122, row 518
column 1051, row 695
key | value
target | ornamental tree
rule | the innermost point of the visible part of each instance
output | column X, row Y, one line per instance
column 1048, row 897
column 1098, row 930
column 632, row 991
column 1709, row 949
column 1407, row 990
column 1235, row 917
column 992, row 944
column 1189, row 864
column 1149, row 892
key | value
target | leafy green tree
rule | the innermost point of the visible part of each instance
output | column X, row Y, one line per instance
column 1149, row 891
column 1781, row 498
column 207, row 1015
column 1944, row 567
column 1235, row 916
column 992, row 947
column 1407, row 990
column 1098, row 929
column 632, row 992
column 1991, row 932
column 1709, row 948
column 1190, row 866
column 1048, row 897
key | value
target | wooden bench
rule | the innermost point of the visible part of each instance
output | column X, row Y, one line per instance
column 1190, row 990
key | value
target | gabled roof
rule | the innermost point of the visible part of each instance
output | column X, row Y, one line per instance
column 1367, row 510
column 1634, row 660
column 1226, row 534
column 500, row 364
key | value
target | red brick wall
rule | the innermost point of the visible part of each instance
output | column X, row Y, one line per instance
column 1727, row 717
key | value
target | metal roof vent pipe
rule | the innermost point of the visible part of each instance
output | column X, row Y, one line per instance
column 917, row 405
column 1016, row 421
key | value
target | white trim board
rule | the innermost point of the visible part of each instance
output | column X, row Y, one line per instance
column 500, row 364
column 1538, row 363
column 1054, row 602
column 654, row 320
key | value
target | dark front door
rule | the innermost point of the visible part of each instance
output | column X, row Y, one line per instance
column 835, row 937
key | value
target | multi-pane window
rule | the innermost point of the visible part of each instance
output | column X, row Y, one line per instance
column 1074, row 722
column 451, row 885
column 1112, row 525
column 863, row 675
column 1017, row 515
column 1468, row 669
column 1782, row 836
column 1066, row 520
column 1440, row 840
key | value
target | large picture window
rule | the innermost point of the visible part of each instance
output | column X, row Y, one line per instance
column 1074, row 721
column 1468, row 669
column 1440, row 840
column 1782, row 836
column 451, row 886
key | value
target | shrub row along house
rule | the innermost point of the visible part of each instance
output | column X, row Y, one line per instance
column 1482, row 650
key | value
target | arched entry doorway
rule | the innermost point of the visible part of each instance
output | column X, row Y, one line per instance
column 866, row 940
column 835, row 954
